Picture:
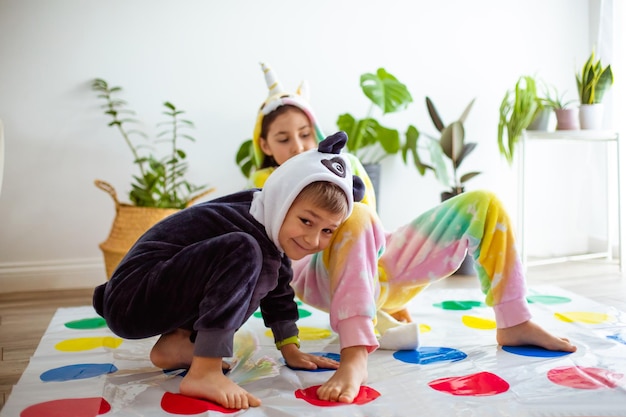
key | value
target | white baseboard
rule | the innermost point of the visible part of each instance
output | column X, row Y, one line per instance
column 52, row 275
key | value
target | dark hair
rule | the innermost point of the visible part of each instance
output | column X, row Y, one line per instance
column 268, row 161
column 326, row 195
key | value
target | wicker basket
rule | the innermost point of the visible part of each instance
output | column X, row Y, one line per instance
column 129, row 224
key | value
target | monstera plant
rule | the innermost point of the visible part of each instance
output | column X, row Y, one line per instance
column 368, row 139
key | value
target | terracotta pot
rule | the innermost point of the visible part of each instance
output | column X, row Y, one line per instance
column 566, row 119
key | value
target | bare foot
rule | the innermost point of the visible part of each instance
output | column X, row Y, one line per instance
column 175, row 351
column 529, row 333
column 346, row 382
column 205, row 380
column 402, row 316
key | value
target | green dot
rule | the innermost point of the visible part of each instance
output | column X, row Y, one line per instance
column 303, row 313
column 547, row 299
column 458, row 304
column 91, row 323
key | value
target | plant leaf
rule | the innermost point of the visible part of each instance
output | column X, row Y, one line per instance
column 451, row 141
column 466, row 111
column 434, row 115
column 385, row 91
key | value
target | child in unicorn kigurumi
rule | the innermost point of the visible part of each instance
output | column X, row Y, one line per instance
column 365, row 282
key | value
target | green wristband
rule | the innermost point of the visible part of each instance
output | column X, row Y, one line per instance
column 290, row 340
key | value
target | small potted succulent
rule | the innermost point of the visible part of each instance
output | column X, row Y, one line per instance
column 566, row 115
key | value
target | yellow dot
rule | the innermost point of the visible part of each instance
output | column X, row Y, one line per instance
column 308, row 333
column 479, row 323
column 88, row 343
column 424, row 328
column 583, row 317
column 314, row 333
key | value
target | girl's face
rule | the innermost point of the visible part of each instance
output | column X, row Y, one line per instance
column 289, row 134
column 307, row 229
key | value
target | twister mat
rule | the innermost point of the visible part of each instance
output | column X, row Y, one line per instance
column 81, row 369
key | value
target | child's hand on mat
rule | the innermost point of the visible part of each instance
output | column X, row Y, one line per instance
column 295, row 358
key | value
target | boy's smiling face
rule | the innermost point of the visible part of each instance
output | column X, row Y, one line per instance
column 307, row 229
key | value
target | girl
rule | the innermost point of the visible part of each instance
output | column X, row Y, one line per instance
column 364, row 280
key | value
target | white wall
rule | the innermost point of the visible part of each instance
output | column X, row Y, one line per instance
column 204, row 57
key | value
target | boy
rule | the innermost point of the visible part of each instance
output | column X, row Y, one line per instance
column 197, row 276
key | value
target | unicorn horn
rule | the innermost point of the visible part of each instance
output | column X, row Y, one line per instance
column 272, row 82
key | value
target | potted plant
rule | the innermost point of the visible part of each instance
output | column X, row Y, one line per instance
column 369, row 140
column 159, row 188
column 517, row 111
column 566, row 116
column 593, row 81
column 447, row 151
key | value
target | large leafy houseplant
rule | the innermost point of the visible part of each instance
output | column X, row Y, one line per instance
column 161, row 180
column 593, row 80
column 518, row 109
column 447, row 151
column 369, row 140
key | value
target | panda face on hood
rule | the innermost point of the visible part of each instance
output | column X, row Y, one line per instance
column 271, row 204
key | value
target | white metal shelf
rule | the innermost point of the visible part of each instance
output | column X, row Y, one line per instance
column 599, row 136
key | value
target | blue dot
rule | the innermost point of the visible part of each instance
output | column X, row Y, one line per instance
column 79, row 371
column 617, row 337
column 535, row 351
column 425, row 355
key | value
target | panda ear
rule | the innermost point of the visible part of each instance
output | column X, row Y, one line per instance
column 358, row 188
column 333, row 143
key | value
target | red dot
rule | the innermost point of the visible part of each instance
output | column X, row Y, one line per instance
column 68, row 407
column 584, row 378
column 478, row 385
column 365, row 395
column 183, row 405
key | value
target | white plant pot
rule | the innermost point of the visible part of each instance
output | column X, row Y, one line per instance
column 591, row 116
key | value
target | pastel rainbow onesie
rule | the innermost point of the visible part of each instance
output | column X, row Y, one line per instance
column 366, row 270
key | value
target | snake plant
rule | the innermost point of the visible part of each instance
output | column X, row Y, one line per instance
column 593, row 80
